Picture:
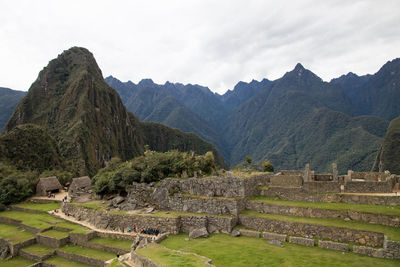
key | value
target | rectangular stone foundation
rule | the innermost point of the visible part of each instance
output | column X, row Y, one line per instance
column 273, row 236
column 302, row 241
column 333, row 245
column 249, row 233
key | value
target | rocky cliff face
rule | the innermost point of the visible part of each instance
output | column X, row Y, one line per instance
column 388, row 157
column 71, row 100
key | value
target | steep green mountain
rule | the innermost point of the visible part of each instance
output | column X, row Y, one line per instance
column 293, row 120
column 388, row 157
column 153, row 104
column 377, row 94
column 242, row 92
column 299, row 120
column 71, row 100
column 8, row 101
column 30, row 147
column 198, row 99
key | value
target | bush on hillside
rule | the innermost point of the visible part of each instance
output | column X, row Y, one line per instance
column 267, row 166
column 151, row 167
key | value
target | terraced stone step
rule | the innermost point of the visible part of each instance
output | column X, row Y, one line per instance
column 36, row 252
column 57, row 261
column 296, row 194
column 385, row 215
column 89, row 256
column 329, row 229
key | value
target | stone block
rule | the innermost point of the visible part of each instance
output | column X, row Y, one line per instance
column 372, row 252
column 249, row 233
column 333, row 245
column 302, row 241
column 274, row 236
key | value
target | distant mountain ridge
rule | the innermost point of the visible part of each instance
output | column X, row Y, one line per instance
column 72, row 102
column 8, row 101
column 292, row 120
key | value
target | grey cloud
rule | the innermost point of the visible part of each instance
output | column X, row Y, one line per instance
column 213, row 43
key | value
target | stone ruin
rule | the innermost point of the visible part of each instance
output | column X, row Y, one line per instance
column 215, row 204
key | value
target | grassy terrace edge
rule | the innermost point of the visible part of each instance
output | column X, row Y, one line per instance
column 161, row 213
column 376, row 209
column 393, row 233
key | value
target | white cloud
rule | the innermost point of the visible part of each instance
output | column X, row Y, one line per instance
column 212, row 43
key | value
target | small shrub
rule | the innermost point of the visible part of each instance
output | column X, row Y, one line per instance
column 267, row 166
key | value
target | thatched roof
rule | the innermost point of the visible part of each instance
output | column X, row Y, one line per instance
column 49, row 183
column 81, row 182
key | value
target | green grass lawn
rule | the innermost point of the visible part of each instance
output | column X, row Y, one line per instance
column 112, row 242
column 225, row 250
column 38, row 249
column 377, row 209
column 16, row 262
column 162, row 256
column 37, row 206
column 61, row 262
column 393, row 233
column 43, row 220
column 55, row 234
column 14, row 234
column 94, row 253
column 36, row 220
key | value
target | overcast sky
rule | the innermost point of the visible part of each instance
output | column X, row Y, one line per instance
column 212, row 43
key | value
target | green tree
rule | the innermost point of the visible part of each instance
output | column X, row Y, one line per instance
column 267, row 166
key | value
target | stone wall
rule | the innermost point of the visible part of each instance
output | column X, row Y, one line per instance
column 274, row 236
column 390, row 220
column 369, row 186
column 369, row 176
column 188, row 223
column 34, row 257
column 321, row 187
column 111, row 221
column 313, row 230
column 286, row 181
column 333, row 245
column 323, row 177
column 80, row 258
column 197, row 204
column 139, row 261
column 308, row 242
column 221, row 224
column 25, row 210
column 80, row 239
column 297, row 194
column 174, row 225
column 227, row 187
column 14, row 248
column 51, row 241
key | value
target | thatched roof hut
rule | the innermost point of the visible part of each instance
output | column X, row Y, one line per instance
column 81, row 184
column 46, row 185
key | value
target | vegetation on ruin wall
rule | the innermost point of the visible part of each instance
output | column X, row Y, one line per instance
column 248, row 251
column 151, row 167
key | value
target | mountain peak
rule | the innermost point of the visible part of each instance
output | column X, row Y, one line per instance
column 146, row 82
column 299, row 67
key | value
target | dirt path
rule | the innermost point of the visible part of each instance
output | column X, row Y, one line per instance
column 57, row 196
